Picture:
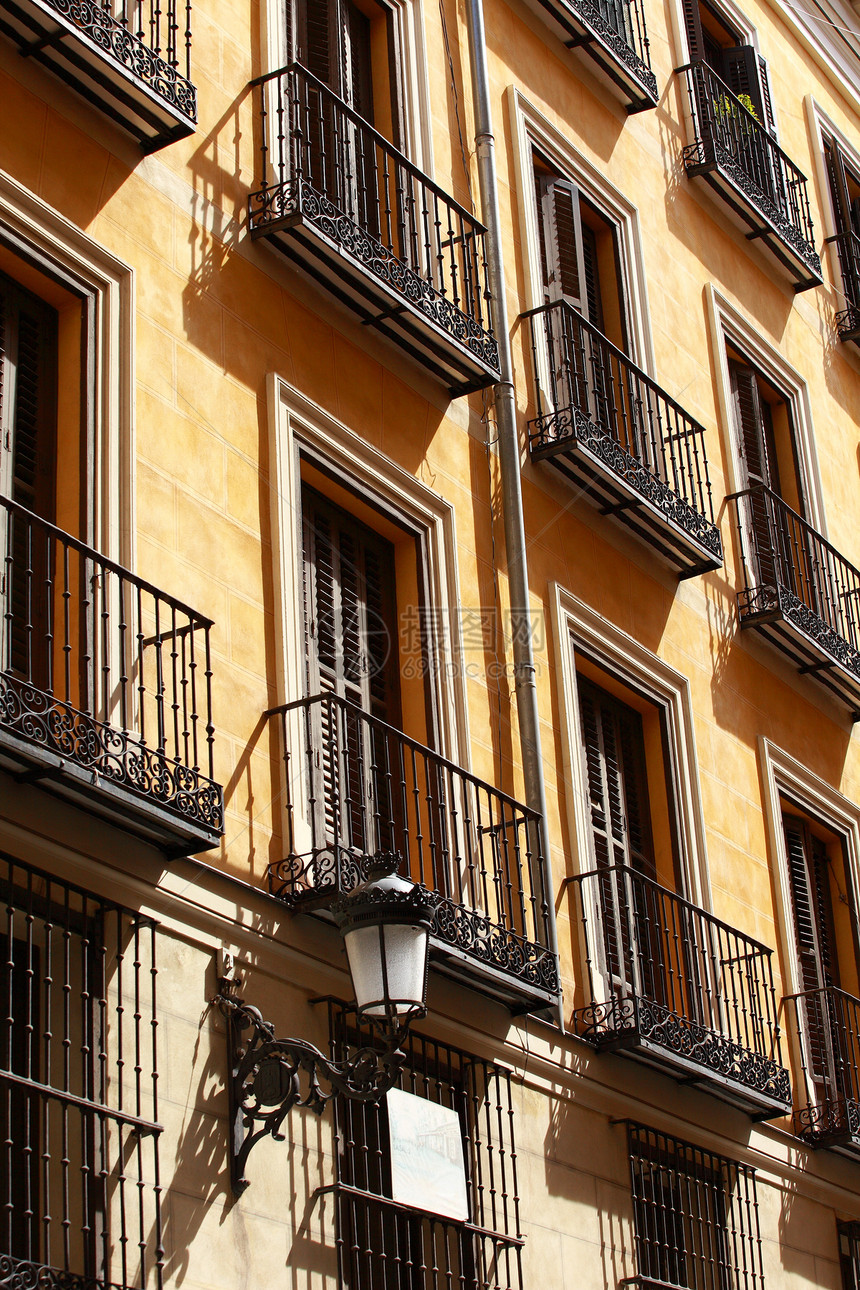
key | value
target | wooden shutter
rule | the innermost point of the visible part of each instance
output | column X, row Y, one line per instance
column 28, row 399
column 755, row 433
column 695, row 34
column 617, row 781
column 812, row 911
column 741, row 74
column 561, row 240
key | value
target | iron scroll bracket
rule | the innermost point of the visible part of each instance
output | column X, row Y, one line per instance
column 269, row 1076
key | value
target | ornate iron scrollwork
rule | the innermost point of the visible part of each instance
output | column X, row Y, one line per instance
column 269, row 1076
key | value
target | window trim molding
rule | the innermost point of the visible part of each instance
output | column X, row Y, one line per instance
column 726, row 323
column 783, row 774
column 45, row 235
column 296, row 422
column 412, row 46
column 576, row 624
column 531, row 129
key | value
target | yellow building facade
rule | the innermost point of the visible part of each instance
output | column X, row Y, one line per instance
column 431, row 432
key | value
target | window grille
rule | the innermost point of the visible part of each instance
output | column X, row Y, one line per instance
column 695, row 1215
column 79, row 1182
column 849, row 1254
column 383, row 1244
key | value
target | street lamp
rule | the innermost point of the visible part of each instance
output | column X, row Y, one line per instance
column 385, row 923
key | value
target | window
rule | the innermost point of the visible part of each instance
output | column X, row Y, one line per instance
column 695, row 1214
column 78, row 1116
column 579, row 253
column 352, row 48
column 712, row 38
column 844, row 182
column 385, row 1242
column 827, row 1008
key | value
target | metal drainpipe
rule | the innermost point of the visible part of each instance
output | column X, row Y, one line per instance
column 509, row 461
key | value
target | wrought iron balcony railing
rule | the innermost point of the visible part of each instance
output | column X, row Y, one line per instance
column 848, row 319
column 743, row 163
column 799, row 592
column 613, row 34
column 612, row 430
column 356, row 786
column 105, row 686
column 826, row 1025
column 358, row 216
column 132, row 58
column 673, row 986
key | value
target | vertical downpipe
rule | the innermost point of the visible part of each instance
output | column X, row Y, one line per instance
column 509, row 461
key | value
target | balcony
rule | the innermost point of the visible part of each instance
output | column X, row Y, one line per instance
column 672, row 986
column 355, row 786
column 104, row 688
column 131, row 59
column 760, row 187
column 826, row 1026
column 799, row 593
column 615, row 434
column 612, row 34
column 360, row 219
column 848, row 319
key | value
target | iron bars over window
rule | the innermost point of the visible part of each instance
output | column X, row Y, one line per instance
column 358, row 215
column 827, row 1028
column 799, row 591
column 745, row 165
column 356, row 786
column 106, row 682
column 695, row 1215
column 78, row 1077
column 678, row 988
column 385, row 1243
column 604, row 423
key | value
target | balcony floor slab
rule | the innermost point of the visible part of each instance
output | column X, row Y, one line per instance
column 622, row 488
column 814, row 648
column 105, row 772
column 382, row 291
column 693, row 1054
column 111, row 68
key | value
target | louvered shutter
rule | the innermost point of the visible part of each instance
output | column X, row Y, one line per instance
column 812, row 912
column 561, row 233
column 351, row 652
column 768, row 120
column 741, row 74
column 693, row 27
column 614, row 754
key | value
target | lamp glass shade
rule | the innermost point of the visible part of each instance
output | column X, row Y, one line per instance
column 388, row 963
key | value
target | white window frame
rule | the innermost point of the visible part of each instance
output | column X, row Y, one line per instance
column 577, row 626
column 728, row 325
column 34, row 224
column 532, row 131
column 295, row 421
column 412, row 48
column 785, row 777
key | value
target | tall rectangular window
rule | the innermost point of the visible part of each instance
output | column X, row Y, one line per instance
column 79, row 1130
column 695, row 1214
column 386, row 1242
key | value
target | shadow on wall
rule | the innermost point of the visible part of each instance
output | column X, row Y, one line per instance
column 282, row 1223
column 586, row 1163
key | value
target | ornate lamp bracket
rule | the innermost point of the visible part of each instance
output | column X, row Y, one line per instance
column 269, row 1076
